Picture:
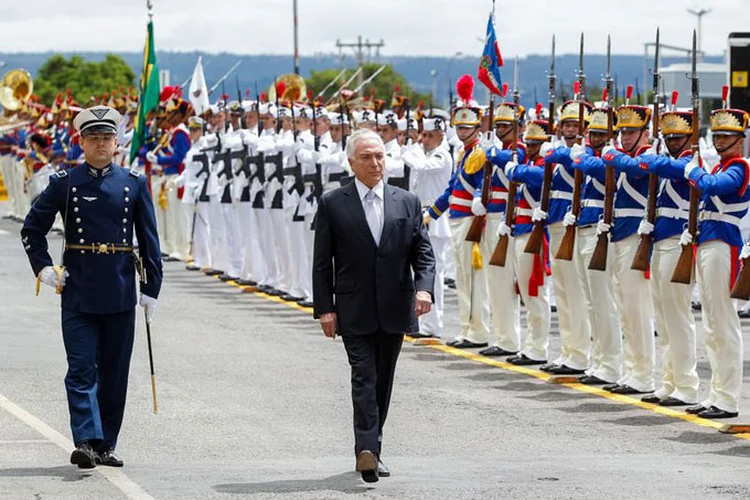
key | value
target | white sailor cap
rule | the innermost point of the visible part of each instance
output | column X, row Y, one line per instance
column 388, row 118
column 338, row 119
column 195, row 122
column 436, row 123
column 365, row 115
column 412, row 124
column 321, row 112
column 97, row 119
column 215, row 109
column 248, row 106
column 284, row 112
column 267, row 108
column 302, row 112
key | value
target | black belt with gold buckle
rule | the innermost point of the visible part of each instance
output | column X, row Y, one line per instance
column 101, row 248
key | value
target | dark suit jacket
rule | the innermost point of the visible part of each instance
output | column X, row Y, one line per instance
column 372, row 285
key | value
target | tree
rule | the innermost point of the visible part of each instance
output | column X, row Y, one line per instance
column 83, row 79
column 383, row 84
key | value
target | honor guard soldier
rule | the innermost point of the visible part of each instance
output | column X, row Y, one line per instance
column 672, row 301
column 104, row 207
column 725, row 200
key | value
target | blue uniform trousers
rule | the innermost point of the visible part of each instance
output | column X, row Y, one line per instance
column 98, row 348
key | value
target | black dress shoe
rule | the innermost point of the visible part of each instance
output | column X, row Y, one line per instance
column 695, row 409
column 108, row 458
column 548, row 366
column 715, row 412
column 609, row 387
column 420, row 335
column 383, row 470
column 264, row 288
column 290, row 298
column 193, row 267
column 744, row 314
column 213, row 272
column 468, row 344
column 449, row 281
column 524, row 360
column 367, row 465
column 226, row 277
column 306, row 303
column 83, row 456
column 565, row 370
column 553, row 309
column 452, row 286
column 625, row 390
column 275, row 292
column 651, row 398
column 169, row 258
column 672, row 402
column 246, row 283
column 496, row 351
column 697, row 306
column 591, row 380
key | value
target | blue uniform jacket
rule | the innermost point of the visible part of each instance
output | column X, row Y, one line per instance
column 530, row 178
column 459, row 194
column 499, row 188
column 103, row 207
column 172, row 159
column 724, row 200
column 631, row 197
column 592, row 202
column 561, row 189
column 673, row 204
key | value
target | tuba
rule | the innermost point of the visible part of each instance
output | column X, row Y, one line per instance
column 16, row 88
column 295, row 88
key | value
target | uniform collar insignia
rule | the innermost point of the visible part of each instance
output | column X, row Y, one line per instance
column 94, row 172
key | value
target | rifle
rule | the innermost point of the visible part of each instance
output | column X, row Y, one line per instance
column 599, row 257
column 643, row 253
column 536, row 238
column 336, row 94
column 325, row 89
column 565, row 251
column 257, row 109
column 278, row 109
column 243, row 123
column 226, row 75
column 501, row 249
column 683, row 271
column 477, row 224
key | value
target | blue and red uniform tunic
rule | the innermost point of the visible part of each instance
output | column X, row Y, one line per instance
column 500, row 182
column 561, row 189
column 459, row 194
column 631, row 197
column 673, row 204
column 172, row 157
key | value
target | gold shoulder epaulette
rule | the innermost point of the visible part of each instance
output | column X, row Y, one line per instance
column 475, row 161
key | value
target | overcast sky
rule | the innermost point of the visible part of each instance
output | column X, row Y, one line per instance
column 408, row 27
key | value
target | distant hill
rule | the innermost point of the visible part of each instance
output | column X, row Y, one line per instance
column 263, row 68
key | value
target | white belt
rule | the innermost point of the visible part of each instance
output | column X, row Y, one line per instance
column 729, row 207
column 500, row 195
column 629, row 212
column 524, row 211
column 593, row 203
column 638, row 197
column 672, row 213
column 455, row 200
column 715, row 216
column 561, row 195
column 564, row 175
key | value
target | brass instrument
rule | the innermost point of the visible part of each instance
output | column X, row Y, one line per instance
column 295, row 89
column 16, row 88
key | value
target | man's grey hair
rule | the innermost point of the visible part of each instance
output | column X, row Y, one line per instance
column 362, row 135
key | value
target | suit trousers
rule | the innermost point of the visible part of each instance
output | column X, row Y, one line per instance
column 633, row 295
column 606, row 347
column 573, row 322
column 471, row 286
column 98, row 349
column 721, row 325
column 675, row 323
column 373, row 364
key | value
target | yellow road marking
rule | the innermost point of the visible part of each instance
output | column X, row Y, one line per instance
column 460, row 353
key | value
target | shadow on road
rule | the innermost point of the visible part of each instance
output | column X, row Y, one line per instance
column 66, row 473
column 348, row 482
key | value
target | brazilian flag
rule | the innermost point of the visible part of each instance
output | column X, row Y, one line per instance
column 149, row 97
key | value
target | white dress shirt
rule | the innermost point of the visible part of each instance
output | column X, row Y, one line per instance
column 372, row 203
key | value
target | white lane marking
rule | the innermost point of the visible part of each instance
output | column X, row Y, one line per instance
column 3, row 232
column 115, row 476
column 24, row 441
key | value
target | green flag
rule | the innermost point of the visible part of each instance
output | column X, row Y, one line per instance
column 149, row 97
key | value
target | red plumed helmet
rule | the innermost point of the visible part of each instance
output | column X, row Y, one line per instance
column 465, row 88
column 539, row 110
column 280, row 89
column 263, row 96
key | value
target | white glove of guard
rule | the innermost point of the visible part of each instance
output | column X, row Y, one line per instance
column 538, row 215
column 745, row 251
column 602, row 227
column 692, row 165
column 509, row 168
column 606, row 149
column 149, row 305
column 645, row 227
column 577, row 151
column 503, row 230
column 686, row 238
column 546, row 148
column 49, row 277
column 569, row 219
column 477, row 207
column 151, row 157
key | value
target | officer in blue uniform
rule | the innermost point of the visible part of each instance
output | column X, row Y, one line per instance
column 103, row 206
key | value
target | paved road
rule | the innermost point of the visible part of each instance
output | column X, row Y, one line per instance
column 254, row 403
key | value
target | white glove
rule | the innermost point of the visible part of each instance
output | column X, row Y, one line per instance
column 427, row 219
column 49, row 277
column 687, row 239
column 569, row 219
column 602, row 227
column 745, row 251
column 503, row 230
column 692, row 165
column 645, row 227
column 477, row 207
column 149, row 305
column 606, row 149
column 509, row 168
column 577, row 151
column 546, row 148
column 151, row 157
column 538, row 215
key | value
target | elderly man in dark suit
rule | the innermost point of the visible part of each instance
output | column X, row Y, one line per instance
column 373, row 273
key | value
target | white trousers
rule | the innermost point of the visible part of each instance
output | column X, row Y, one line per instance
column 633, row 294
column 266, row 244
column 23, row 203
column 721, row 326
column 6, row 168
column 253, row 267
column 471, row 286
column 537, row 308
column 572, row 317
column 235, row 247
column 219, row 250
column 432, row 322
column 174, row 217
column 281, row 248
column 675, row 323
column 158, row 183
column 201, row 234
column 606, row 346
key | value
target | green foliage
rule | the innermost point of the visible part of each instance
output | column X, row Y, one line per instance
column 83, row 79
column 383, row 84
